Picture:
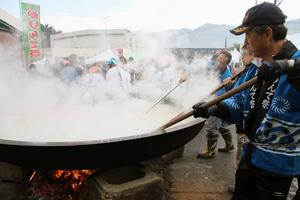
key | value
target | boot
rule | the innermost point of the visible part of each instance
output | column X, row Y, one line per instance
column 210, row 149
column 226, row 134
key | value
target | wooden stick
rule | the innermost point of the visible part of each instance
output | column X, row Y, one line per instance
column 223, row 84
column 214, row 101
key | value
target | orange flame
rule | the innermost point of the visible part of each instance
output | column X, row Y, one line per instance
column 75, row 177
column 59, row 184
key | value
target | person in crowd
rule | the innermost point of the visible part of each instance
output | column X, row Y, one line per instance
column 56, row 67
column 70, row 72
column 237, row 67
column 124, row 65
column 132, row 70
column 123, row 60
column 130, row 59
column 33, row 72
column 269, row 110
column 216, row 125
column 93, row 84
column 94, row 78
column 248, row 59
column 117, row 77
column 32, row 68
column 213, row 59
column 77, row 63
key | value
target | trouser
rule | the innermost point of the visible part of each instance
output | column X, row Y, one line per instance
column 214, row 124
column 293, row 189
column 253, row 183
column 241, row 140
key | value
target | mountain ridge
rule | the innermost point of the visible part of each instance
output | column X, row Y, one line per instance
column 208, row 36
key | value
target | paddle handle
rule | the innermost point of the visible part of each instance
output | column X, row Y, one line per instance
column 223, row 84
column 214, row 101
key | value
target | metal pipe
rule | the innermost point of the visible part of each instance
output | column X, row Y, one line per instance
column 164, row 96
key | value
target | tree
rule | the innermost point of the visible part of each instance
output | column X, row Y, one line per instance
column 46, row 31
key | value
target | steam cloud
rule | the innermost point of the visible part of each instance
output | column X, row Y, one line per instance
column 43, row 109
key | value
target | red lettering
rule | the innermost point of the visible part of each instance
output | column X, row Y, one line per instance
column 33, row 14
column 35, row 53
column 33, row 35
column 34, row 45
column 34, row 25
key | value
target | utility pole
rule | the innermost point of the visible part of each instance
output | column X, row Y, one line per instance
column 225, row 42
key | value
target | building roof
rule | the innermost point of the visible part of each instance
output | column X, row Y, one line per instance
column 9, row 23
column 90, row 32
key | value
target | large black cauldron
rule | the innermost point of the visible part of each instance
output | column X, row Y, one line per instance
column 97, row 154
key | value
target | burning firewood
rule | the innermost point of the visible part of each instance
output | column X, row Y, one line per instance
column 58, row 184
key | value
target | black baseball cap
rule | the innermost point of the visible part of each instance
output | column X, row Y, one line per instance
column 262, row 14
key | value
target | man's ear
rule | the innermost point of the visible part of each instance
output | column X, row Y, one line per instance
column 269, row 34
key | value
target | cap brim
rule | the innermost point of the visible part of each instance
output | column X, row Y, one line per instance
column 239, row 30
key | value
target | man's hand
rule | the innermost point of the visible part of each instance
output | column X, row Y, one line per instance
column 200, row 111
column 228, row 83
column 271, row 70
column 227, row 80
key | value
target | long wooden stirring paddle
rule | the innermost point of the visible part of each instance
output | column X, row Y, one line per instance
column 214, row 101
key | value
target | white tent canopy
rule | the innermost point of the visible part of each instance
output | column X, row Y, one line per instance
column 104, row 56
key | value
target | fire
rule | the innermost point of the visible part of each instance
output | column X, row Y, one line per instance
column 58, row 184
column 76, row 177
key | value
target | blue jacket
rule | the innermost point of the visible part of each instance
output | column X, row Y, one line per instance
column 277, row 140
column 222, row 77
column 69, row 74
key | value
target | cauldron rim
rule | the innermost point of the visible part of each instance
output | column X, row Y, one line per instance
column 102, row 141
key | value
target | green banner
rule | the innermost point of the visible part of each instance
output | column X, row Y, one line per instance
column 31, row 36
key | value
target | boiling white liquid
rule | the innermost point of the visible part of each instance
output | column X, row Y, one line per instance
column 85, row 122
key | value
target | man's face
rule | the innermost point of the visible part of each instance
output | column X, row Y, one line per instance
column 258, row 43
column 247, row 57
column 222, row 62
column 123, row 60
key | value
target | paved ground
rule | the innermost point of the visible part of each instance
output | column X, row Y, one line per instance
column 195, row 179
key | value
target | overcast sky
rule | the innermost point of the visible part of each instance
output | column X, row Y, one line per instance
column 154, row 15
